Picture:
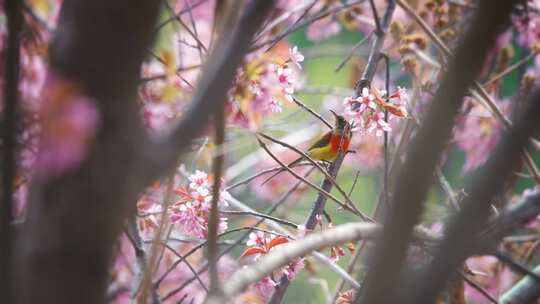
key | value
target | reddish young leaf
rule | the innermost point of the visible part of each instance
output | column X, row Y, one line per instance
column 252, row 251
column 277, row 241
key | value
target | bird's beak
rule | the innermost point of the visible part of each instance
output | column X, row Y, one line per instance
column 335, row 114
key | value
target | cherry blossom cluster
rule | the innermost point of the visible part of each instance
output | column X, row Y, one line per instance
column 367, row 111
column 261, row 243
column 191, row 210
column 261, row 86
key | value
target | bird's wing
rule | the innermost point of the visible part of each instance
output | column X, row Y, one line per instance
column 325, row 140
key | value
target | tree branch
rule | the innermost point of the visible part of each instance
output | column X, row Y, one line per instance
column 278, row 258
column 213, row 220
column 74, row 219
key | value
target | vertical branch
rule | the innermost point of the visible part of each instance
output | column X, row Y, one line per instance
column 376, row 47
column 12, row 61
column 153, row 261
column 213, row 221
column 134, row 236
column 386, row 162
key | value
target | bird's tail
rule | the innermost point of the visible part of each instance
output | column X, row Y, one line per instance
column 290, row 165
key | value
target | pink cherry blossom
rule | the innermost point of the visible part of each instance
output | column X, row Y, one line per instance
column 275, row 105
column 366, row 112
column 191, row 210
column 366, row 100
column 198, row 180
column 286, row 79
column 256, row 238
column 378, row 124
column 296, row 57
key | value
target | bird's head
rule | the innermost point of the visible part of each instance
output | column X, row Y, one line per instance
column 340, row 123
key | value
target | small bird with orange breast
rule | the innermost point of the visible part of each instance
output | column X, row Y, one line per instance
column 328, row 146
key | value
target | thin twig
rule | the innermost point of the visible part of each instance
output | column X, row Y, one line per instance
column 140, row 255
column 192, row 21
column 247, row 180
column 511, row 68
column 351, row 52
column 273, row 23
column 146, row 282
column 386, row 183
column 193, row 34
column 144, row 80
column 257, row 214
column 172, row 18
column 307, row 21
column 378, row 25
column 312, row 112
column 357, row 175
column 304, row 14
column 188, row 264
column 445, row 185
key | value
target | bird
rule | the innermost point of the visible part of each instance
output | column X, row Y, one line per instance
column 327, row 147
